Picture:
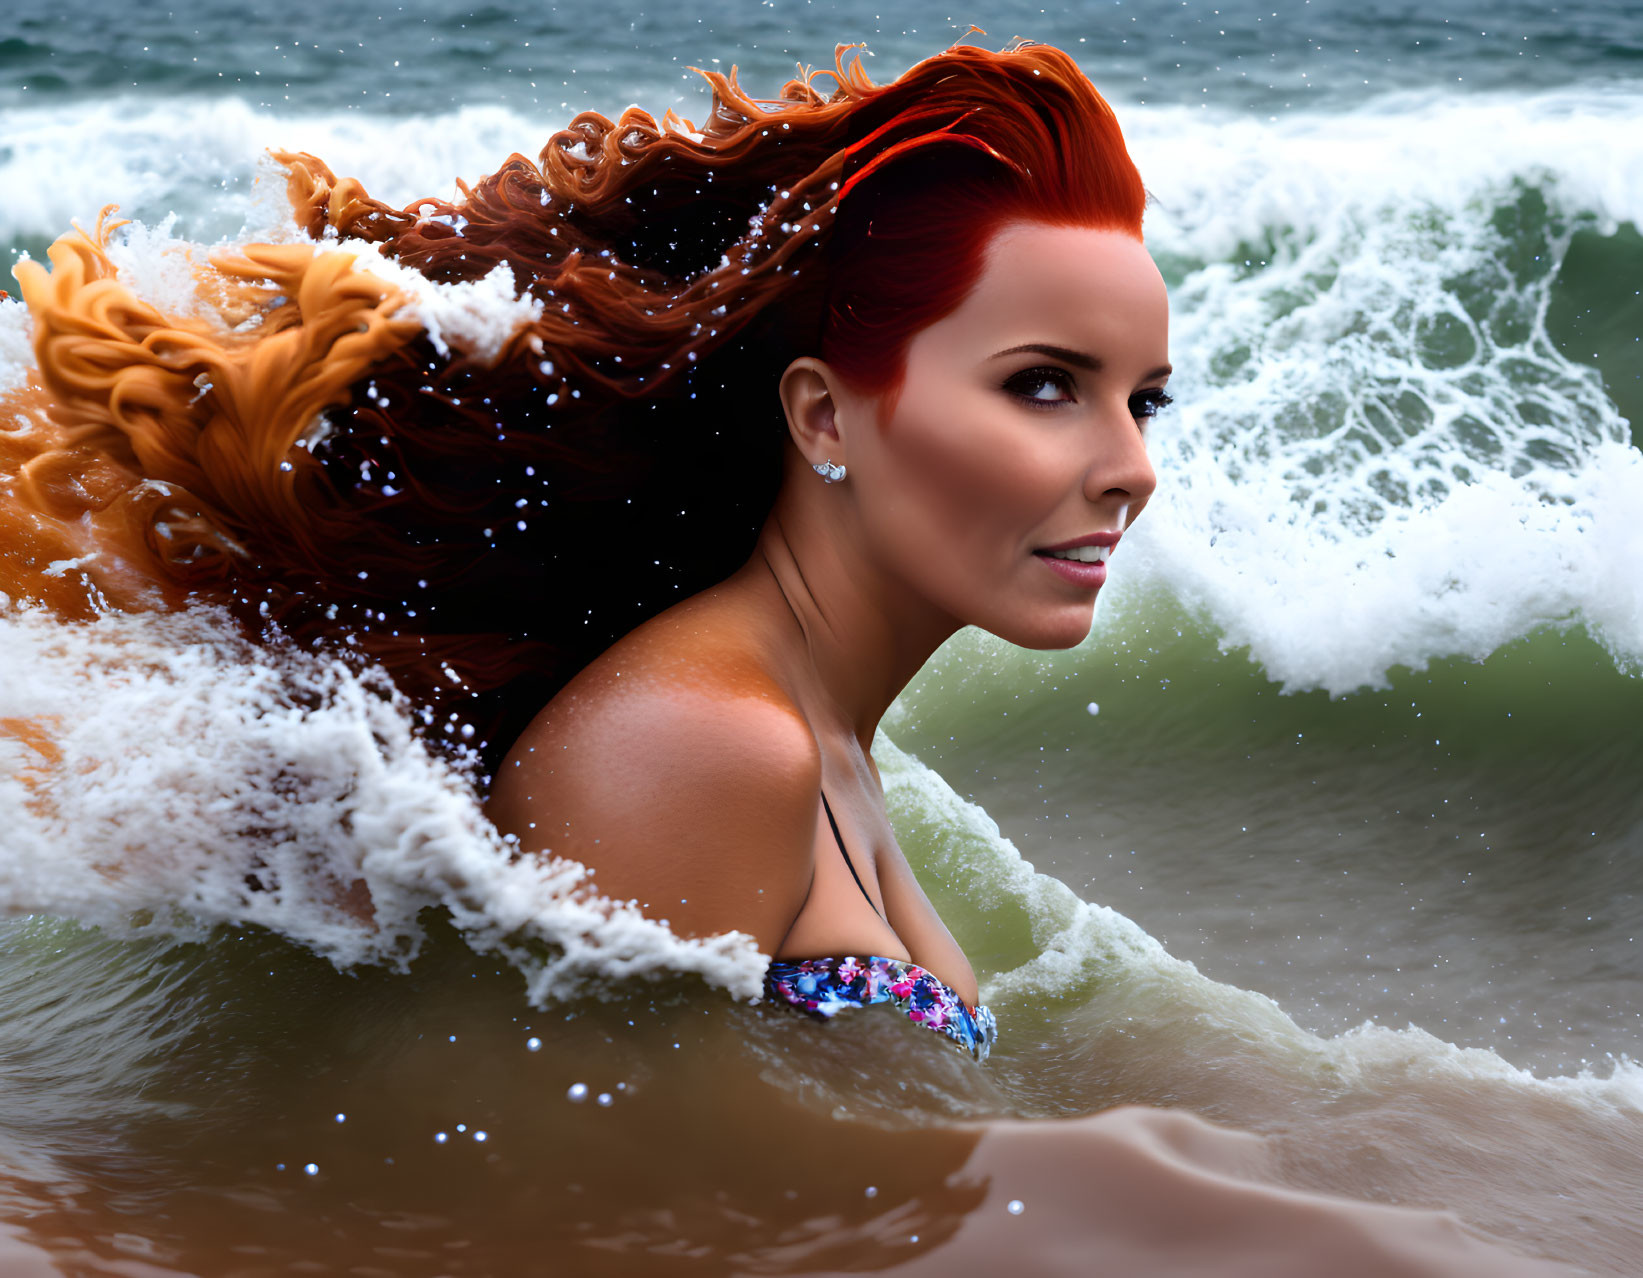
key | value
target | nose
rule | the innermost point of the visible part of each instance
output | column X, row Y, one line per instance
column 1119, row 473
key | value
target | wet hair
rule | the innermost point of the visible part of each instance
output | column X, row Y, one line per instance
column 484, row 516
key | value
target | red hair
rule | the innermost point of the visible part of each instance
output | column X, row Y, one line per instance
column 322, row 465
column 908, row 255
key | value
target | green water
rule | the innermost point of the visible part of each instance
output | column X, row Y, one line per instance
column 1596, row 314
column 1457, row 850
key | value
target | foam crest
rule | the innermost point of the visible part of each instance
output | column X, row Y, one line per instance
column 1379, row 456
column 160, row 774
column 16, row 349
column 126, row 152
column 160, row 266
column 475, row 317
column 1489, row 564
column 1222, row 180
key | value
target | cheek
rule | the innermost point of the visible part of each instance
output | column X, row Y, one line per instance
column 976, row 482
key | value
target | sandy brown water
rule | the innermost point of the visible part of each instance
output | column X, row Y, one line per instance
column 259, row 1113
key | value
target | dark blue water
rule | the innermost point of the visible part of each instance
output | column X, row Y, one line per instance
column 420, row 57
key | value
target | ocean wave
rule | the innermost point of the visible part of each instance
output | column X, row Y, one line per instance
column 160, row 775
column 163, row 776
column 1379, row 455
column 1492, row 562
column 1221, row 181
column 64, row 162
column 1095, row 973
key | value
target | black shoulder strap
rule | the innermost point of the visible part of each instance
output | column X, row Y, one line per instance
column 828, row 807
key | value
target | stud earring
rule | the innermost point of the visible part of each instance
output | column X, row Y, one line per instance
column 830, row 473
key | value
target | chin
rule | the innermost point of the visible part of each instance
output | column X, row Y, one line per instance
column 1054, row 630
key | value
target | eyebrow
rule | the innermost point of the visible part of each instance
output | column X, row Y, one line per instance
column 1076, row 358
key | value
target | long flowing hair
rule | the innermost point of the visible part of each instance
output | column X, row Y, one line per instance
column 483, row 511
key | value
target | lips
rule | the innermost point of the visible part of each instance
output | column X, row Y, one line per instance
column 1081, row 560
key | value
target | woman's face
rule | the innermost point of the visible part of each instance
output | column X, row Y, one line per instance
column 1015, row 454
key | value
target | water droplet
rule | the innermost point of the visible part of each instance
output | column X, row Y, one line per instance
column 1015, row 1207
column 578, row 1093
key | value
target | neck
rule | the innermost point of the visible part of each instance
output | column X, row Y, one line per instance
column 864, row 634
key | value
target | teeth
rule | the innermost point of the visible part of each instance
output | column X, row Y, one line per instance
column 1083, row 554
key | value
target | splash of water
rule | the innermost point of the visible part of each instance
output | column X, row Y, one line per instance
column 163, row 775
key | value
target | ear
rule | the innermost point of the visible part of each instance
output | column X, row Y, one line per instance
column 811, row 397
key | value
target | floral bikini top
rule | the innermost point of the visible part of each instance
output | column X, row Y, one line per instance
column 822, row 986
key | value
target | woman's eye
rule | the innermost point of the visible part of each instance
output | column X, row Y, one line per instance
column 1033, row 383
column 1146, row 404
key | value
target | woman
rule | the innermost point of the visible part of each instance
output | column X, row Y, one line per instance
column 973, row 465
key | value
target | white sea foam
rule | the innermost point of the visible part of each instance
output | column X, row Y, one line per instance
column 198, row 157
column 159, row 266
column 475, row 317
column 201, row 780
column 16, row 343
column 1491, row 562
column 1220, row 180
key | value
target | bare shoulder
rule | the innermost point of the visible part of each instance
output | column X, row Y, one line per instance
column 679, row 771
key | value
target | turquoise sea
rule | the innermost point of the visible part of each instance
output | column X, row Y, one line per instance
column 1331, row 833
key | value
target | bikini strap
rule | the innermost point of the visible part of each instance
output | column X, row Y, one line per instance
column 839, row 838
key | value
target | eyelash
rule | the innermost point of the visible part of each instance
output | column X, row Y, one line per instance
column 1144, row 405
column 1154, row 402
